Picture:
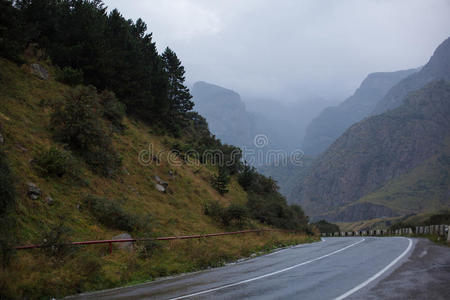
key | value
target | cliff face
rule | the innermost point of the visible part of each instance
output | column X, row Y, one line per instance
column 225, row 112
column 375, row 152
column 437, row 68
column 333, row 121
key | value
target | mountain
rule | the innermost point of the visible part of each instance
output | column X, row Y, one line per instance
column 438, row 67
column 333, row 121
column 391, row 164
column 225, row 113
column 286, row 122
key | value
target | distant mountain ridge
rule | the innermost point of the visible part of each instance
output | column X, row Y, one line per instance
column 438, row 67
column 372, row 168
column 333, row 121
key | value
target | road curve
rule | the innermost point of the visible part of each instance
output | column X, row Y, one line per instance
column 335, row 268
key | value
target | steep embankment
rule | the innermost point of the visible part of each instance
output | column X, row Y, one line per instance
column 438, row 67
column 386, row 165
column 60, row 209
column 333, row 121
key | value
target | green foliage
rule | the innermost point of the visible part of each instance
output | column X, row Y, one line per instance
column 11, row 32
column 438, row 219
column 326, row 227
column 113, row 109
column 78, row 122
column 7, row 203
column 221, row 181
column 234, row 213
column 70, row 76
column 401, row 225
column 7, row 192
column 110, row 213
column 53, row 162
column 57, row 241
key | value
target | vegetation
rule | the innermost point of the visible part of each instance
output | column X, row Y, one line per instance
column 57, row 122
column 326, row 227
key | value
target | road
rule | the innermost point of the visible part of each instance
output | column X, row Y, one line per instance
column 336, row 268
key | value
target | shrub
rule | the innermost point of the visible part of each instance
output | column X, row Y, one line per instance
column 7, row 193
column 326, row 227
column 57, row 241
column 111, row 214
column 69, row 76
column 7, row 202
column 226, row 215
column 78, row 122
column 221, row 181
column 113, row 109
column 52, row 162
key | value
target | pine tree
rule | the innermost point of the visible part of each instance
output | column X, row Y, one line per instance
column 177, row 93
column 221, row 181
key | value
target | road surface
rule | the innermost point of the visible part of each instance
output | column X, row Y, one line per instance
column 336, row 268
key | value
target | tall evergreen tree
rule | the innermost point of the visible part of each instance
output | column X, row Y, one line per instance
column 178, row 94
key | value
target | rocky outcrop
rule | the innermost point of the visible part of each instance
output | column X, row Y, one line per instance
column 333, row 121
column 437, row 68
column 126, row 246
column 377, row 150
column 33, row 191
column 39, row 71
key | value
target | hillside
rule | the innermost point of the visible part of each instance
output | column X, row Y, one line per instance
column 438, row 67
column 333, row 121
column 62, row 205
column 387, row 165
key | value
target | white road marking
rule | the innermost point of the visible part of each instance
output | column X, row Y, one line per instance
column 365, row 283
column 266, row 275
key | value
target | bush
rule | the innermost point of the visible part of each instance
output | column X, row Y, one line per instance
column 113, row 109
column 111, row 214
column 69, row 76
column 326, row 227
column 57, row 241
column 7, row 192
column 226, row 215
column 52, row 162
column 78, row 122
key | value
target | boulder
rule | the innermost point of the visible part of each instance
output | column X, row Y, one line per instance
column 49, row 200
column 33, row 191
column 39, row 71
column 160, row 188
column 161, row 182
column 126, row 246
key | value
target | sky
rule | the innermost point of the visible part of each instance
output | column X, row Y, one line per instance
column 293, row 50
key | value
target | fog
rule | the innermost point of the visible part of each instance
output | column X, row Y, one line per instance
column 292, row 50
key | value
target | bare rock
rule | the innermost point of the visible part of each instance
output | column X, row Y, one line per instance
column 161, row 182
column 127, row 246
column 39, row 71
column 33, row 191
column 49, row 200
column 160, row 188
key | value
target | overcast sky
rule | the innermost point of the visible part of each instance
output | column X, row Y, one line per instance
column 293, row 49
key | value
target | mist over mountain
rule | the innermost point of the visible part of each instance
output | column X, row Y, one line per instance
column 386, row 165
column 334, row 120
column 237, row 122
column 438, row 67
column 225, row 113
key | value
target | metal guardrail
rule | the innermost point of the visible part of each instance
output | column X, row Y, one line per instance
column 167, row 238
column 441, row 230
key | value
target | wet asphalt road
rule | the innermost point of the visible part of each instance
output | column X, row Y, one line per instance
column 324, row 270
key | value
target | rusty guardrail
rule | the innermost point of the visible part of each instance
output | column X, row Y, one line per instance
column 166, row 238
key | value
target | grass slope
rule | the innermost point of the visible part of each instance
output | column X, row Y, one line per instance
column 24, row 124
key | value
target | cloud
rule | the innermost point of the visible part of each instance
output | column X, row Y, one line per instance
column 293, row 49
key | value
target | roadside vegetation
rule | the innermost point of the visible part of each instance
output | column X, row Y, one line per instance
column 71, row 164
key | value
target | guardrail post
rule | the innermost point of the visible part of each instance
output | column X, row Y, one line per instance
column 110, row 248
